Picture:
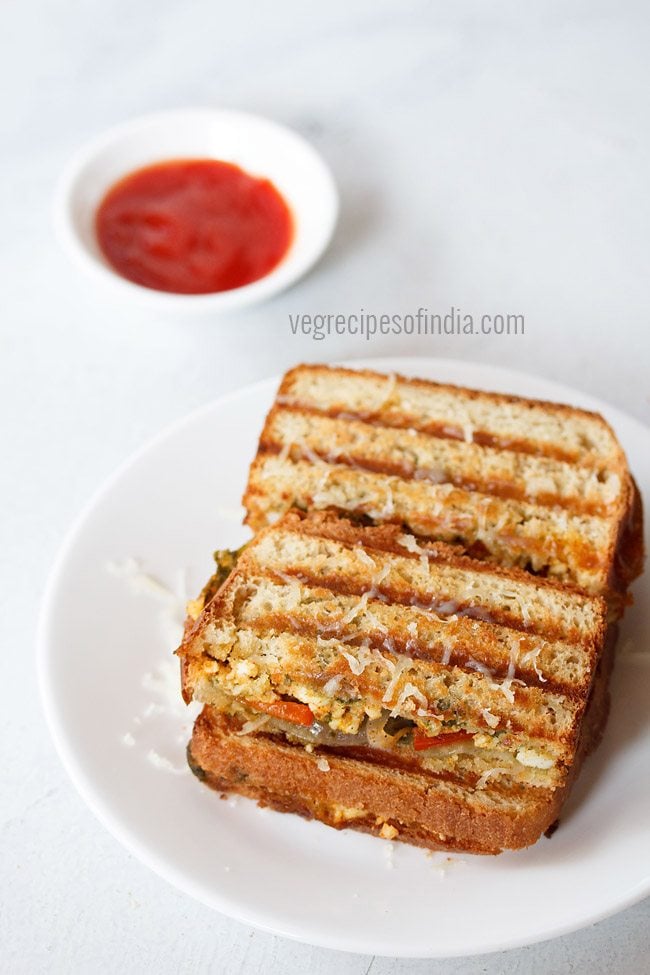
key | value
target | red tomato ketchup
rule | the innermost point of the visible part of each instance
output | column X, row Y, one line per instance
column 193, row 226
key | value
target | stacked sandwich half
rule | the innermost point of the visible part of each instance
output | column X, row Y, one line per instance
column 418, row 639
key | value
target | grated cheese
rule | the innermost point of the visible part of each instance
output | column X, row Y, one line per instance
column 521, row 604
column 312, row 456
column 436, row 617
column 284, row 453
column 506, row 685
column 140, row 581
column 363, row 555
column 410, row 544
column 320, row 497
column 480, row 667
column 400, row 667
column 379, row 577
column 412, row 692
column 253, row 725
column 482, row 782
column 356, row 609
column 388, row 508
column 383, row 661
column 531, row 658
column 375, row 622
column 295, row 594
column 163, row 764
column 492, row 720
column 332, row 686
column 359, row 663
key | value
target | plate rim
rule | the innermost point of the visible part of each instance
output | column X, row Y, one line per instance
column 110, row 821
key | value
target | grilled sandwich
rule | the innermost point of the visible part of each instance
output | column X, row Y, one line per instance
column 368, row 677
column 518, row 482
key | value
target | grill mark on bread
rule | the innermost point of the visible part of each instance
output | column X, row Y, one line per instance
column 420, row 600
column 502, row 490
column 558, row 544
column 467, row 766
column 383, row 539
column 504, row 408
column 357, row 426
column 412, row 648
column 386, row 759
column 439, row 431
column 437, row 815
column 237, row 631
column 504, row 785
column 543, row 715
column 434, row 813
column 465, row 777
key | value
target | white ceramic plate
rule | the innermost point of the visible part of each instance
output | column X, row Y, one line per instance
column 104, row 663
column 259, row 146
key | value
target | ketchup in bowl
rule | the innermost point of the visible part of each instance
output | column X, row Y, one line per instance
column 193, row 226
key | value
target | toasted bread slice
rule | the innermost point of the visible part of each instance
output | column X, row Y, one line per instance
column 527, row 484
column 458, row 667
column 396, row 803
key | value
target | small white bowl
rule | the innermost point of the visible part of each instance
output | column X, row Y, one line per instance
column 259, row 146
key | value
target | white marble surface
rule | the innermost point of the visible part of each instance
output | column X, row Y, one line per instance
column 490, row 156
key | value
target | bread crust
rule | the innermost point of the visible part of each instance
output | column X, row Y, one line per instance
column 574, row 512
column 385, row 538
column 591, row 552
column 563, row 410
column 384, row 801
column 254, row 616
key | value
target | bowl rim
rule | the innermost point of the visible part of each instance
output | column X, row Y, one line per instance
column 281, row 277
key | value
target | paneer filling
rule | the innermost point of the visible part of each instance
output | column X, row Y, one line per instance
column 475, row 757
